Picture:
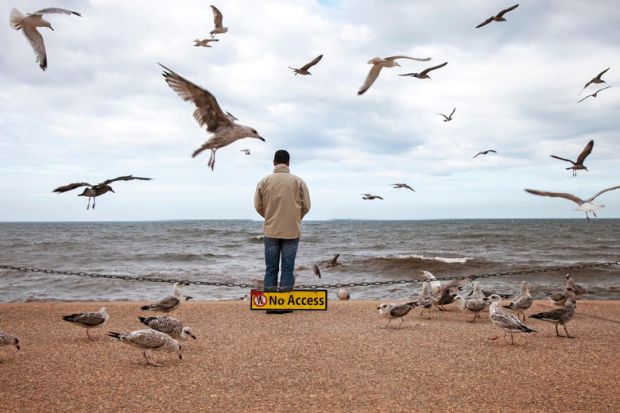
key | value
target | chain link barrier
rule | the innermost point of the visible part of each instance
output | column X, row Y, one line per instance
column 303, row 286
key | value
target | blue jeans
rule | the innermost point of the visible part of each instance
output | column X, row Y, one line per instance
column 286, row 250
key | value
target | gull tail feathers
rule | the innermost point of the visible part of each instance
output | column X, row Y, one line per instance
column 115, row 335
column 15, row 19
column 147, row 307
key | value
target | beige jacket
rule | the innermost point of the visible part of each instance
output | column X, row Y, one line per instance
column 282, row 199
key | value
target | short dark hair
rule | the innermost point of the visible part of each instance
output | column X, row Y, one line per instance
column 281, row 156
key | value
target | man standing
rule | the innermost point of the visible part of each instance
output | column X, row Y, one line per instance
column 283, row 200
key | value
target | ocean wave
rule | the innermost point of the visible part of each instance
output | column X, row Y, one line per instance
column 172, row 256
column 448, row 260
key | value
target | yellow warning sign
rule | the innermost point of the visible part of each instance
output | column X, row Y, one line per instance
column 289, row 300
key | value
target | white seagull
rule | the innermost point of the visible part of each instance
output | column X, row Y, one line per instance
column 595, row 94
column 209, row 113
column 378, row 64
column 585, row 205
column 149, row 340
column 343, row 294
column 29, row 24
column 89, row 320
column 171, row 326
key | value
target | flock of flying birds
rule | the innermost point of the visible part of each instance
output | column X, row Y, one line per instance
column 223, row 126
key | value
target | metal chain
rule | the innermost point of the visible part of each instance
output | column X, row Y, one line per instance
column 303, row 286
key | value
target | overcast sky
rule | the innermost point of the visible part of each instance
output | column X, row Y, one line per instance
column 102, row 109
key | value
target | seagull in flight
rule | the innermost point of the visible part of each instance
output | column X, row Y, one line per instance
column 593, row 94
column 499, row 17
column 245, row 151
column 398, row 186
column 370, row 197
column 378, row 64
column 485, row 152
column 217, row 21
column 94, row 191
column 209, row 113
column 204, row 42
column 424, row 73
column 585, row 205
column 448, row 118
column 578, row 164
column 596, row 79
column 29, row 23
column 304, row 69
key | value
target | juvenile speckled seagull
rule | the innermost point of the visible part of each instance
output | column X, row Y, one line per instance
column 424, row 73
column 378, row 64
column 595, row 94
column 522, row 301
column 167, row 304
column 497, row 18
column 149, row 340
column 473, row 305
column 217, row 21
column 578, row 164
column 560, row 316
column 204, row 42
column 597, row 78
column 505, row 320
column 448, row 118
column 8, row 340
column 304, row 69
column 209, row 113
column 171, row 326
column 392, row 311
column 94, row 191
column 485, row 152
column 89, row 320
column 585, row 205
column 399, row 186
column 29, row 23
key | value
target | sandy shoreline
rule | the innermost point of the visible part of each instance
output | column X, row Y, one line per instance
column 339, row 360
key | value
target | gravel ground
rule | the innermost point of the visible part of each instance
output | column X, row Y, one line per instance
column 339, row 360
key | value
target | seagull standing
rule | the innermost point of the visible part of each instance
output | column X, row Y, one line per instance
column 560, row 316
column 505, row 320
column 596, row 79
column 424, row 73
column 473, row 305
column 578, row 164
column 217, row 21
column 94, row 191
column 149, row 340
column 8, row 340
column 448, row 118
column 89, row 320
column 29, row 24
column 171, row 326
column 169, row 303
column 204, row 42
column 497, row 18
column 435, row 285
column 485, row 152
column 378, row 64
column 584, row 205
column 595, row 94
column 304, row 69
column 393, row 311
column 399, row 186
column 523, row 301
column 208, row 112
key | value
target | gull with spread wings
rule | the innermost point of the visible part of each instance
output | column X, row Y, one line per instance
column 424, row 73
column 597, row 78
column 402, row 185
column 485, row 152
column 378, row 64
column 595, row 94
column 29, row 23
column 578, row 164
column 448, row 118
column 497, row 18
column 585, row 205
column 94, row 191
column 304, row 69
column 209, row 113
column 217, row 21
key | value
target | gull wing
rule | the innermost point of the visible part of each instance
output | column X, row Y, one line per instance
column 217, row 17
column 425, row 71
column 86, row 319
column 208, row 111
column 581, row 100
column 57, row 10
column 370, row 79
column 570, row 197
column 484, row 23
column 602, row 73
column 378, row 197
column 36, row 41
column 453, row 110
column 400, row 310
column 311, row 63
column 70, row 187
column 602, row 192
column 479, row 153
column 425, row 59
column 443, row 115
column 124, row 178
column 562, row 159
column 501, row 13
column 586, row 151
